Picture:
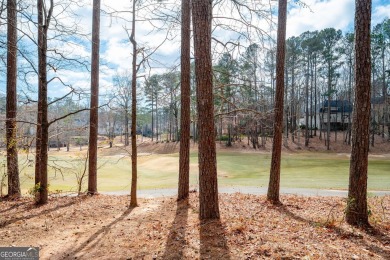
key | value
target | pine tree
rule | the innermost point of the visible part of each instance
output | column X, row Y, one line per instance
column 11, row 110
column 274, row 181
column 357, row 211
column 208, row 184
column 94, row 121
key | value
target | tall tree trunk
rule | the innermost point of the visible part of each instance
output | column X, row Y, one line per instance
column 152, row 118
column 350, row 101
column 372, row 114
column 11, row 110
column 384, row 90
column 133, row 193
column 156, row 120
column 208, row 184
column 315, row 95
column 336, row 125
column 43, row 131
column 274, row 181
column 93, row 116
column 185, row 121
column 41, row 71
column 285, row 142
column 321, row 123
column 126, row 125
column 293, row 103
column 169, row 120
column 177, row 125
column 327, row 139
column 58, row 137
column 272, row 79
column 312, row 63
column 357, row 193
column 307, row 103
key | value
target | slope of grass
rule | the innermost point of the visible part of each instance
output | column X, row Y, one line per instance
column 306, row 170
column 322, row 171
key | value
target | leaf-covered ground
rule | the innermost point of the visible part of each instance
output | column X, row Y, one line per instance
column 102, row 227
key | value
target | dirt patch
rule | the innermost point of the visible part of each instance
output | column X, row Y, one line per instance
column 103, row 227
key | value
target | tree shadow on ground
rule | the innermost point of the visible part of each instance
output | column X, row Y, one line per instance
column 176, row 242
column 17, row 205
column 213, row 243
column 46, row 211
column 94, row 239
column 356, row 238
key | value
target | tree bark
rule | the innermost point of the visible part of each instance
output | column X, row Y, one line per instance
column 285, row 141
column 184, row 160
column 357, row 213
column 41, row 70
column 152, row 118
column 293, row 115
column 208, row 183
column 349, row 129
column 327, row 140
column 11, row 107
column 156, row 118
column 384, row 89
column 133, row 193
column 126, row 125
column 315, row 95
column 93, row 116
column 274, row 181
column 307, row 102
column 58, row 137
column 43, row 129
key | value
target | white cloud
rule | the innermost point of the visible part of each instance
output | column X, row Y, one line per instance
column 118, row 52
column 323, row 14
column 380, row 13
column 338, row 14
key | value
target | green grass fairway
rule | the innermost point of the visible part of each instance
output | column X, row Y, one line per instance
column 299, row 170
column 320, row 171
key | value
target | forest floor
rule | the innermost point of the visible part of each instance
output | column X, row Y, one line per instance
column 103, row 227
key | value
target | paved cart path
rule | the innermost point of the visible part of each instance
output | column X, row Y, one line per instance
column 154, row 193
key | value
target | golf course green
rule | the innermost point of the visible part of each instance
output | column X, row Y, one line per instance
column 299, row 170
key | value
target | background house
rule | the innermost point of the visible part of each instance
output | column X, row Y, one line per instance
column 340, row 115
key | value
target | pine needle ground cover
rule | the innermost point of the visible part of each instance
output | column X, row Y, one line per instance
column 102, row 227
